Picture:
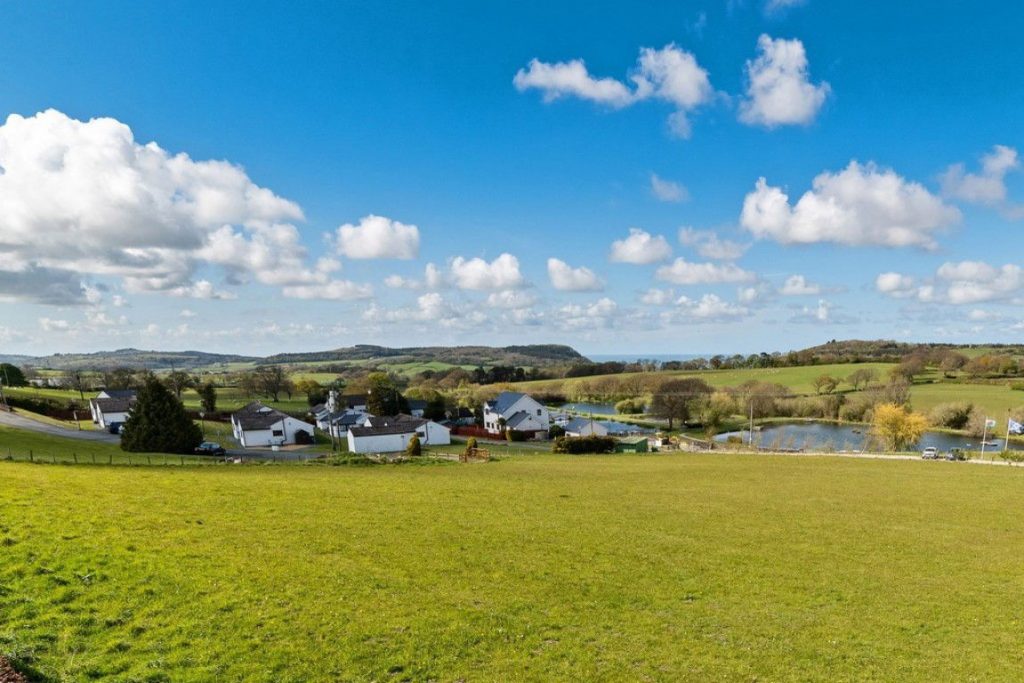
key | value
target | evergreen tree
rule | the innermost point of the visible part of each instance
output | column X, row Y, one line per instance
column 208, row 397
column 12, row 376
column 158, row 423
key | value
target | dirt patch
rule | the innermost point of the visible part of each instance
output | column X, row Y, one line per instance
column 8, row 674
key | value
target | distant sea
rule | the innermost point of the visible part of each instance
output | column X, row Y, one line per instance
column 633, row 357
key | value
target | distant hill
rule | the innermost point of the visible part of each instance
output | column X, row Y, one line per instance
column 131, row 358
column 538, row 355
column 890, row 350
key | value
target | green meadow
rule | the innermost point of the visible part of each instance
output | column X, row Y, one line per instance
column 681, row 568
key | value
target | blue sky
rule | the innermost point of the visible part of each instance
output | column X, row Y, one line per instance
column 464, row 147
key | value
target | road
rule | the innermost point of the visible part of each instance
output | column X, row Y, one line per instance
column 15, row 420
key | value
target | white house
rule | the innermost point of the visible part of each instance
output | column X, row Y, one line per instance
column 111, row 406
column 392, row 434
column 516, row 411
column 585, row 426
column 338, row 424
column 258, row 425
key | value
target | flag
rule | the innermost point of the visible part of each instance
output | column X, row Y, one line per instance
column 990, row 423
column 1016, row 427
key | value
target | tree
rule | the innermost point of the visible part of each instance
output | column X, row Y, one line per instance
column 271, row 380
column 414, row 448
column 896, row 427
column 383, row 396
column 825, row 384
column 208, row 397
column 861, row 378
column 951, row 362
column 315, row 393
column 177, row 381
column 675, row 399
column 909, row 367
column 158, row 423
column 75, row 379
column 12, row 376
column 119, row 378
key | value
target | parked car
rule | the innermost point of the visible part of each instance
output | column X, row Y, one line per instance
column 956, row 454
column 930, row 453
column 210, row 448
column 115, row 427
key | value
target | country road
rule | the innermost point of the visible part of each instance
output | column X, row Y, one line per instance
column 15, row 420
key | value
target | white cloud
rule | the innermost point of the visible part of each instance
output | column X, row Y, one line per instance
column 822, row 313
column 433, row 278
column 511, row 299
column 568, row 279
column 377, row 237
column 669, row 74
column 860, row 205
column 187, row 313
column 709, row 245
column 778, row 90
column 658, row 297
column 775, row 6
column 640, row 248
column 683, row 272
column 711, row 307
column 332, row 290
column 755, row 293
column 987, row 188
column 963, row 282
column 797, row 285
column 895, row 284
column 51, row 325
column 478, row 274
column 668, row 190
column 85, row 199
column 598, row 314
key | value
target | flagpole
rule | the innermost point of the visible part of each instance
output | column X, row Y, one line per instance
column 1006, row 441
column 984, row 437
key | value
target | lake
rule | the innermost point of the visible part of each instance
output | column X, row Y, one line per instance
column 588, row 408
column 846, row 437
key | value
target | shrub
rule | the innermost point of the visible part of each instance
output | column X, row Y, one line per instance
column 515, row 435
column 856, row 410
column 470, row 446
column 951, row 415
column 556, row 431
column 414, row 448
column 577, row 445
column 629, row 406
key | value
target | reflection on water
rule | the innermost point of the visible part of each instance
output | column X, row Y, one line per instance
column 843, row 437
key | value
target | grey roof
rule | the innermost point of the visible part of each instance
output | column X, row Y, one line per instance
column 578, row 424
column 406, row 420
column 394, row 428
column 252, row 407
column 318, row 408
column 254, row 421
column 113, row 405
column 517, row 419
column 504, row 401
column 346, row 418
column 120, row 393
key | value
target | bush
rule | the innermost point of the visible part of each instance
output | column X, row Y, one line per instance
column 857, row 410
column 951, row 415
column 556, row 431
column 577, row 445
column 629, row 406
column 470, row 446
column 515, row 435
column 414, row 448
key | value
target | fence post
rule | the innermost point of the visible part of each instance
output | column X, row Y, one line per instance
column 148, row 460
column 75, row 456
column 31, row 457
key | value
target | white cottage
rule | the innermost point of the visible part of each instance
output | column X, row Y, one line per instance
column 584, row 426
column 257, row 425
column 516, row 411
column 392, row 434
column 111, row 406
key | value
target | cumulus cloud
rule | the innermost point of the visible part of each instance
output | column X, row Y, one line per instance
column 709, row 245
column 332, row 290
column 433, row 278
column 85, row 199
column 711, row 307
column 779, row 91
column 860, row 205
column 600, row 313
column 797, row 285
column 478, row 274
column 987, row 188
column 958, row 282
column 566, row 278
column 670, row 74
column 640, row 248
column 658, row 297
column 377, row 237
column 511, row 299
column 668, row 190
column 822, row 313
column 34, row 284
column 683, row 272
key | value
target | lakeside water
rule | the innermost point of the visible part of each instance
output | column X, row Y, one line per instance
column 590, row 408
column 818, row 435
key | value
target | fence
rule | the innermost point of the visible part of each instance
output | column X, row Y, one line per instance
column 127, row 459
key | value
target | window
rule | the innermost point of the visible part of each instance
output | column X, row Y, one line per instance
column 278, row 432
column 538, row 412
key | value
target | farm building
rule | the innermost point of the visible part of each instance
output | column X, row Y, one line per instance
column 257, row 425
column 632, row 444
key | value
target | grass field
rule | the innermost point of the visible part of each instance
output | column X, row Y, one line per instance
column 535, row 568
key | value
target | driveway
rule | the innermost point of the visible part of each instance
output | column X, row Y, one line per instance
column 15, row 420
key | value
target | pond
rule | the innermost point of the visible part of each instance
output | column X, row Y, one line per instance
column 847, row 437
column 588, row 408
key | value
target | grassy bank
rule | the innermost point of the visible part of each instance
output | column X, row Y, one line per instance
column 589, row 568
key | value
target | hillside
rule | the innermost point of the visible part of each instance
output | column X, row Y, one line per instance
column 131, row 358
column 537, row 355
